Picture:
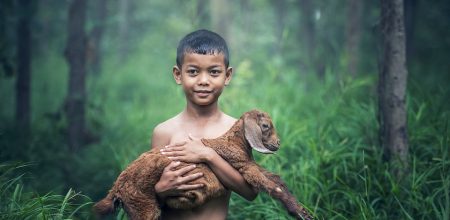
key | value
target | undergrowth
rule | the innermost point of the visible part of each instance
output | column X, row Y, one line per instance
column 19, row 202
column 330, row 157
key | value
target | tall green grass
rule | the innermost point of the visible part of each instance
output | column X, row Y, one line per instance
column 331, row 160
column 19, row 202
column 330, row 157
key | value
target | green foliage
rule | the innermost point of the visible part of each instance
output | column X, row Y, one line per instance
column 331, row 160
column 330, row 156
column 18, row 202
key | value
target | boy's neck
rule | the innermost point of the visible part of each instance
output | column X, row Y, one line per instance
column 203, row 112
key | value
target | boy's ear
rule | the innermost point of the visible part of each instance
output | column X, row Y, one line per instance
column 176, row 74
column 228, row 75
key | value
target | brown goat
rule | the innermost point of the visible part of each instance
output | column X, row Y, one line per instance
column 134, row 188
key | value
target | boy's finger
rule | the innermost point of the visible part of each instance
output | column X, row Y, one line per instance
column 175, row 144
column 182, row 158
column 190, row 186
column 176, row 148
column 185, row 170
column 191, row 177
column 172, row 165
column 172, row 154
column 176, row 158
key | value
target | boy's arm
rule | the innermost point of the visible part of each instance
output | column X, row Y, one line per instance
column 229, row 176
column 195, row 152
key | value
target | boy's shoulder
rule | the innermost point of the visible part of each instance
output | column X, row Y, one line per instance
column 228, row 120
column 164, row 130
column 168, row 124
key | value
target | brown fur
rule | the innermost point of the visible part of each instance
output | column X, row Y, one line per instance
column 134, row 188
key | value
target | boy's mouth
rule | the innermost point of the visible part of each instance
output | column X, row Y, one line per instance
column 202, row 93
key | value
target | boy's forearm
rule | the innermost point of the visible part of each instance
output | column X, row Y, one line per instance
column 230, row 177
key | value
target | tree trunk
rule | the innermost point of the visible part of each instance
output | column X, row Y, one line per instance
column 203, row 15
column 307, row 37
column 353, row 32
column 221, row 19
column 307, row 32
column 392, row 87
column 124, row 23
column 280, row 13
column 246, row 14
column 23, row 107
column 75, row 55
column 94, row 50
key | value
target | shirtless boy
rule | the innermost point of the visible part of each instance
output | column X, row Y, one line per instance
column 203, row 71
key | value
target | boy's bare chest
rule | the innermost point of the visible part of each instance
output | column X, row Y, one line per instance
column 182, row 132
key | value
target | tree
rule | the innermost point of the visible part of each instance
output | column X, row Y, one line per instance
column 280, row 13
column 310, row 39
column 23, row 107
column 75, row 54
column 392, row 86
column 221, row 19
column 6, row 57
column 203, row 16
column 245, row 10
column 94, row 50
column 307, row 34
column 124, row 23
column 353, row 34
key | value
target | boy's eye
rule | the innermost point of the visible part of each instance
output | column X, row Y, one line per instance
column 192, row 72
column 215, row 72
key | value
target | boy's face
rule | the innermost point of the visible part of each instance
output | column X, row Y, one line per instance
column 203, row 77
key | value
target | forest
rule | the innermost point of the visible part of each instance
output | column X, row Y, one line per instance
column 358, row 92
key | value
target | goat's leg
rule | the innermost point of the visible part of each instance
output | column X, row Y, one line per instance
column 272, row 184
column 288, row 198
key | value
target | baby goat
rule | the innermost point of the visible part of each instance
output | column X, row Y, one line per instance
column 134, row 188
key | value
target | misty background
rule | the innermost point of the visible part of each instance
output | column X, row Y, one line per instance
column 83, row 84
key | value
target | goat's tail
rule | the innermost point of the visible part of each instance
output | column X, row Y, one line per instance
column 105, row 206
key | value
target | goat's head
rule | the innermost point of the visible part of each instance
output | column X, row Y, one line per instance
column 260, row 132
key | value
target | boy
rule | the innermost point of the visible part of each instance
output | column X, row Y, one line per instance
column 202, row 70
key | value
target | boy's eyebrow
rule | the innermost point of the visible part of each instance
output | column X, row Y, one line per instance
column 192, row 65
column 210, row 67
column 214, row 66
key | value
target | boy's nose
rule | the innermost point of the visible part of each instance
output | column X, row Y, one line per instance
column 203, row 79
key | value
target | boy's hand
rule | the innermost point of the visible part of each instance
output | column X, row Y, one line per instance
column 173, row 180
column 190, row 151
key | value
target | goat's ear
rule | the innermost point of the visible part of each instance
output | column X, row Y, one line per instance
column 253, row 133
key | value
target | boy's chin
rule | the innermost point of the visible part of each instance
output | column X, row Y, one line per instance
column 204, row 102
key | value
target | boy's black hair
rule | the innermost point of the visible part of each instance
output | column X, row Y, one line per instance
column 202, row 42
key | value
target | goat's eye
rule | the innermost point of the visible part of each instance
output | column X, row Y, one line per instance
column 265, row 126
